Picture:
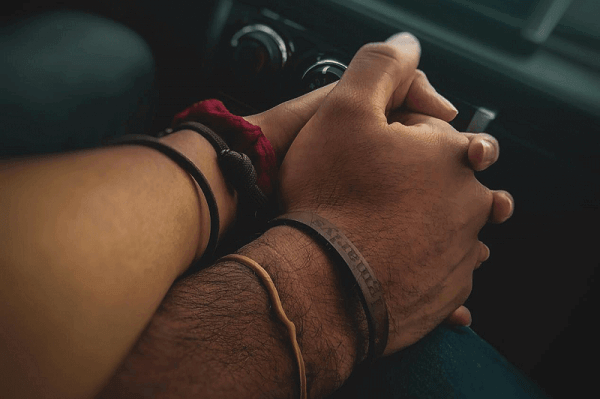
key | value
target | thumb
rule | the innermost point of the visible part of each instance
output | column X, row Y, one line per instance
column 424, row 99
column 281, row 124
column 460, row 317
column 380, row 74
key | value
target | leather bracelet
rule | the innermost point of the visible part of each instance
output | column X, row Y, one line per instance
column 197, row 175
column 236, row 167
column 371, row 294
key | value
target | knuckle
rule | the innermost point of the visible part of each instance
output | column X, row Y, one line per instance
column 466, row 290
column 411, row 118
column 491, row 139
column 345, row 107
column 382, row 52
column 420, row 75
column 344, row 103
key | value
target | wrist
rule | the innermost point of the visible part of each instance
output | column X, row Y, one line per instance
column 241, row 136
column 203, row 155
column 331, row 325
column 216, row 333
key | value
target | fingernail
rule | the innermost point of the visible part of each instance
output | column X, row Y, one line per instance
column 487, row 253
column 488, row 153
column 448, row 104
column 402, row 38
column 512, row 203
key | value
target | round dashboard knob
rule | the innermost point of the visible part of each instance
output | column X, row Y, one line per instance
column 258, row 49
column 321, row 74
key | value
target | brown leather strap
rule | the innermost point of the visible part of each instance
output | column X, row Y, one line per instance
column 370, row 289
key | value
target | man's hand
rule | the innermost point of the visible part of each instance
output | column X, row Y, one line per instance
column 282, row 123
column 400, row 184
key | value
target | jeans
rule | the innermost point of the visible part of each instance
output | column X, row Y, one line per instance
column 450, row 362
column 72, row 80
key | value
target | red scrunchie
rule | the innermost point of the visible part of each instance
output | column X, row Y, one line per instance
column 213, row 114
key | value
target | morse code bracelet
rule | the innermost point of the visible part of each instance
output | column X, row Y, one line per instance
column 251, row 140
column 371, row 294
column 237, row 168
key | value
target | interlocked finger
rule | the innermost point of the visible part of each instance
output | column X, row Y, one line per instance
column 484, row 150
column 460, row 317
column 424, row 99
column 502, row 207
column 484, row 254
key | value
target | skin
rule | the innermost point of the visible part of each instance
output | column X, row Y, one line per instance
column 423, row 286
column 434, row 206
column 63, row 336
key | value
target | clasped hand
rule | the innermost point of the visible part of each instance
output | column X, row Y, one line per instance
column 375, row 155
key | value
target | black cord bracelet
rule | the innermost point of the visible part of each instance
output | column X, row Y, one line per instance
column 237, row 168
column 371, row 294
column 189, row 167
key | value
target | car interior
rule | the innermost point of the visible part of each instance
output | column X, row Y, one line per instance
column 525, row 71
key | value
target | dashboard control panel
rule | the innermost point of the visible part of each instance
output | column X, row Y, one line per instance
column 263, row 59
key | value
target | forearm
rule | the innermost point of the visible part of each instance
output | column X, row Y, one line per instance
column 90, row 243
column 216, row 335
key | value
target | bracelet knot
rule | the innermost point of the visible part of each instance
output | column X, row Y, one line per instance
column 237, row 168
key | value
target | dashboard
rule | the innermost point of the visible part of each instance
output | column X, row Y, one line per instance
column 527, row 72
